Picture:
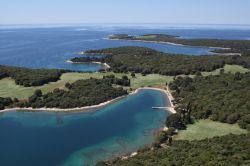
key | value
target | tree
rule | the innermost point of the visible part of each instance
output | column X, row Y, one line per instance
column 38, row 93
column 133, row 74
column 125, row 77
column 15, row 100
column 68, row 85
column 1, row 106
column 245, row 121
column 233, row 118
column 175, row 120
column 237, row 76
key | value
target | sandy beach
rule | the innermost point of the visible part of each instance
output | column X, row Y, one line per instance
column 167, row 92
column 93, row 107
column 104, row 64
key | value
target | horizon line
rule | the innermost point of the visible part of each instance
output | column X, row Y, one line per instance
column 131, row 23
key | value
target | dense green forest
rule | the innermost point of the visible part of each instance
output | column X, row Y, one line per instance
column 236, row 46
column 227, row 150
column 79, row 94
column 87, row 59
column 30, row 77
column 223, row 98
column 146, row 61
column 5, row 102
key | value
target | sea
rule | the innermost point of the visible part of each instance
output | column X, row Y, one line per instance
column 51, row 46
column 76, row 139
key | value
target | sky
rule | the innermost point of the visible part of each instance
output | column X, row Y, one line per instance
column 125, row 11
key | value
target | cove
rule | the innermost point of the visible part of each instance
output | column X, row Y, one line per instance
column 51, row 139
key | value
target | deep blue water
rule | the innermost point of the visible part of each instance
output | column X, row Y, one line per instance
column 53, row 139
column 51, row 47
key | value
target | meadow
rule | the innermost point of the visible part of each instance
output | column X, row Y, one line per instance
column 202, row 129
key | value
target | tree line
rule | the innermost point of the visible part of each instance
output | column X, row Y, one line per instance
column 30, row 77
column 78, row 94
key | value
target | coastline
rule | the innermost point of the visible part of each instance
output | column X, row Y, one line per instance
column 94, row 107
column 85, row 53
column 78, row 109
column 170, row 43
column 167, row 92
column 104, row 64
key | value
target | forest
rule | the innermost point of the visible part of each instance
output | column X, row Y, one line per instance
column 223, row 97
column 147, row 61
column 226, row 150
column 235, row 46
column 78, row 94
column 5, row 102
column 30, row 77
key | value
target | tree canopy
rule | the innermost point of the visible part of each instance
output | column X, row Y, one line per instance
column 30, row 77
column 79, row 94
column 147, row 61
column 225, row 150
column 223, row 98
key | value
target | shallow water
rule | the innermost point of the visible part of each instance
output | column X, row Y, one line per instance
column 81, row 138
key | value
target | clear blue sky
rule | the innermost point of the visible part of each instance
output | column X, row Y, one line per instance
column 125, row 11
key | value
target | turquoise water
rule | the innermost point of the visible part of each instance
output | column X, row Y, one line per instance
column 67, row 139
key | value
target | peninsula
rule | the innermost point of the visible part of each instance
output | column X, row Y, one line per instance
column 238, row 47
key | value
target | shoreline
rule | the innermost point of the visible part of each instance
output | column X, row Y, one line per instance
column 94, row 107
column 85, row 53
column 78, row 109
column 104, row 64
column 170, row 109
column 170, row 43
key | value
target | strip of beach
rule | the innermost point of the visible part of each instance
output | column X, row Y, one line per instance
column 104, row 64
column 96, row 107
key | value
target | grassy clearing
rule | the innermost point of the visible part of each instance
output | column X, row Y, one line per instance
column 150, row 80
column 146, row 37
column 228, row 69
column 8, row 88
column 207, row 129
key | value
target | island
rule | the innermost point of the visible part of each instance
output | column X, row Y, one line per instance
column 209, row 90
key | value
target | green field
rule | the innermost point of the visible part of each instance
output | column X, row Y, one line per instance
column 227, row 69
column 207, row 129
column 8, row 88
column 146, row 37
